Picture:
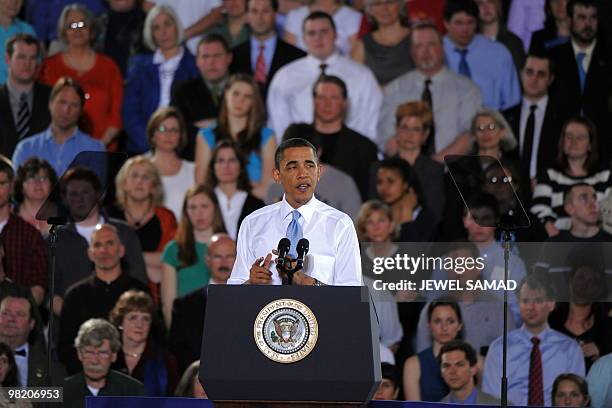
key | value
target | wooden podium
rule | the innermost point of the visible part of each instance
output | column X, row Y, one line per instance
column 341, row 370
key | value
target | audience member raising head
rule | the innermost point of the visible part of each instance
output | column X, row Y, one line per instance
column 140, row 355
column 241, row 119
column 183, row 268
column 227, row 176
column 96, row 73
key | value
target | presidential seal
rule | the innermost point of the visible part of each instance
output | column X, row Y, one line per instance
column 286, row 331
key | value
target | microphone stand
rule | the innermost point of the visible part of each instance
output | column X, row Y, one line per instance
column 504, row 380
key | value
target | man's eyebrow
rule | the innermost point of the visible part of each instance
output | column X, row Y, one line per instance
column 290, row 163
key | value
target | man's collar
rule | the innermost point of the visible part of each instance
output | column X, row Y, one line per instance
column 541, row 103
column 268, row 42
column 526, row 333
column 329, row 60
column 306, row 210
column 48, row 135
column 588, row 50
column 14, row 91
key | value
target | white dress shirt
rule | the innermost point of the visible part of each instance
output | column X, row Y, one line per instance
column 167, row 69
column 290, row 94
column 333, row 258
column 175, row 187
column 537, row 132
column 586, row 62
column 22, row 365
column 231, row 208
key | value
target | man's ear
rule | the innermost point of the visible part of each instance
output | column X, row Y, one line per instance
column 276, row 175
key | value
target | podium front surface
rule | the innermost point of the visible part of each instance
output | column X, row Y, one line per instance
column 299, row 345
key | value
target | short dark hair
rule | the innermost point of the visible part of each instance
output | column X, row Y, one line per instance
column 569, row 7
column 544, row 56
column 391, row 373
column 453, row 7
column 330, row 79
column 319, row 15
column 273, row 3
column 26, row 38
column 459, row 345
column 83, row 174
column 407, row 174
column 568, row 192
column 6, row 167
column 444, row 302
column 12, row 375
column 30, row 168
column 580, row 382
column 214, row 38
column 537, row 282
column 67, row 82
column 291, row 143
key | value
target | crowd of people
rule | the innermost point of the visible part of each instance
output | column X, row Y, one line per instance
column 200, row 94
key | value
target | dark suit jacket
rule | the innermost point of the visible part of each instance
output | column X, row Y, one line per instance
column 251, row 204
column 194, row 100
column 594, row 102
column 514, row 44
column 37, row 368
column 39, row 119
column 283, row 54
column 187, row 327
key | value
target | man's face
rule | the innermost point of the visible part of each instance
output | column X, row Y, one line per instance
column 487, row 10
column 461, row 29
column 261, row 17
column 536, row 77
column 387, row 391
column 96, row 361
column 456, row 370
column 10, row 8
column 584, row 24
column 427, row 50
column 105, row 249
column 220, row 259
column 65, row 109
column 534, row 307
column 329, row 103
column 320, row 37
column 299, row 174
column 80, row 197
column 582, row 206
column 16, row 321
column 6, row 189
column 234, row 8
column 213, row 61
column 22, row 66
column 477, row 222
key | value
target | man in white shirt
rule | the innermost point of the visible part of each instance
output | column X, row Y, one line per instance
column 290, row 96
column 333, row 258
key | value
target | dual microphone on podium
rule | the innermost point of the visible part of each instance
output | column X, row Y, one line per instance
column 284, row 262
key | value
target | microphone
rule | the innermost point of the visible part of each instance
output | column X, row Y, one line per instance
column 283, row 248
column 302, row 249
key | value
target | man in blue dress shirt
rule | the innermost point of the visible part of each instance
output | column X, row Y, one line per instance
column 63, row 140
column 488, row 63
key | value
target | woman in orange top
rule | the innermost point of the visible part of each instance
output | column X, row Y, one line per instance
column 97, row 74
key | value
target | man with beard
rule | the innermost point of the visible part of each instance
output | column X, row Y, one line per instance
column 584, row 69
column 188, row 311
column 97, row 344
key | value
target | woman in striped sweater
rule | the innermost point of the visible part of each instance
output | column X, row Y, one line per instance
column 577, row 162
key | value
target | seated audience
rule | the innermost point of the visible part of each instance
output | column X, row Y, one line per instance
column 577, row 162
column 390, row 384
column 183, row 268
column 570, row 390
column 96, row 295
column 227, row 176
column 140, row 356
column 11, row 25
column 24, row 103
column 458, row 364
column 241, row 120
column 167, row 136
column 534, row 351
column 188, row 311
column 96, row 73
column 62, row 140
column 233, row 25
column 556, row 29
column 386, row 49
column 492, row 135
column 346, row 19
column 422, row 376
column 151, row 77
column 189, row 386
column 33, row 183
column 97, row 344
column 600, row 382
column 25, row 260
column 139, row 194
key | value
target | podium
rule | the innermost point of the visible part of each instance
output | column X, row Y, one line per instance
column 297, row 346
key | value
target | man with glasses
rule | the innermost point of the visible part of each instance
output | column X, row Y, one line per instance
column 97, row 344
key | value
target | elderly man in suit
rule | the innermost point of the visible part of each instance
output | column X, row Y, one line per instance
column 24, row 103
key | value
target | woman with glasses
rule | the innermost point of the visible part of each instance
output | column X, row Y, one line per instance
column 140, row 356
column 139, row 195
column 167, row 137
column 492, row 135
column 577, row 162
column 33, row 183
column 386, row 49
column 97, row 74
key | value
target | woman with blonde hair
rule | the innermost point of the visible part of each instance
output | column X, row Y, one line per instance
column 139, row 196
column 493, row 135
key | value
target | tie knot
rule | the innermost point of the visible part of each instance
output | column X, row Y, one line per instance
column 323, row 67
column 262, row 46
column 20, row 352
column 427, row 83
column 296, row 215
column 461, row 51
column 535, row 341
column 23, row 97
column 581, row 56
column 533, row 108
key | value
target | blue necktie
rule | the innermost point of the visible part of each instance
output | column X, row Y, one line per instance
column 464, row 68
column 294, row 233
column 581, row 72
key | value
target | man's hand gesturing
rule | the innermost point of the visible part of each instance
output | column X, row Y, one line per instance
column 260, row 274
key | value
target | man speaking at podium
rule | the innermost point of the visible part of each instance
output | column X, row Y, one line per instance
column 326, row 234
